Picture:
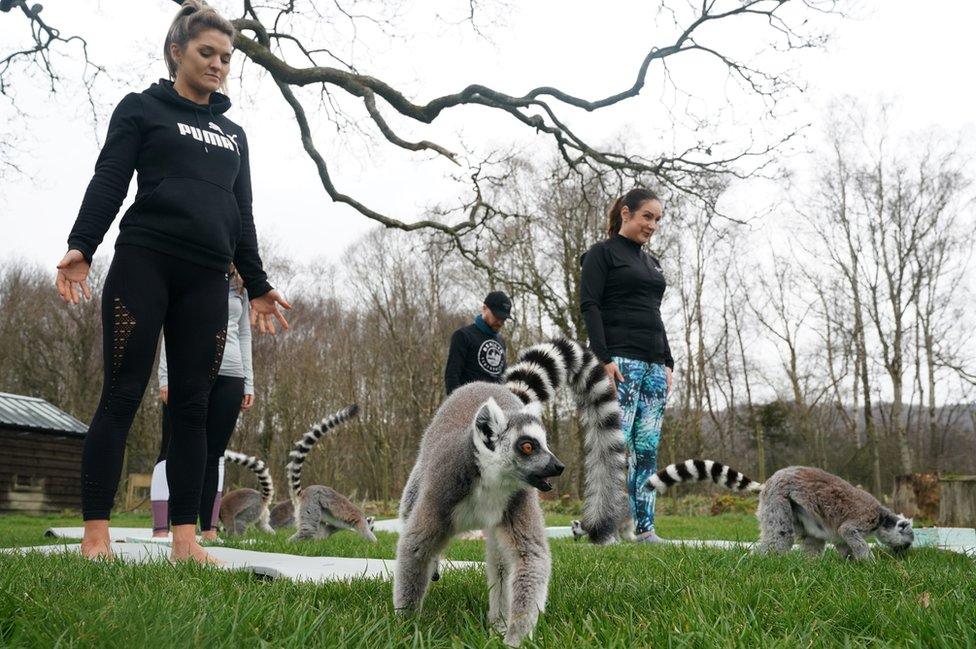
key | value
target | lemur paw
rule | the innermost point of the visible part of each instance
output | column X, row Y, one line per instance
column 498, row 624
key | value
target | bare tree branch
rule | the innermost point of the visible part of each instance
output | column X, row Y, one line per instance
column 538, row 109
column 45, row 38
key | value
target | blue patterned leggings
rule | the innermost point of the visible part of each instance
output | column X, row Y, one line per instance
column 642, row 396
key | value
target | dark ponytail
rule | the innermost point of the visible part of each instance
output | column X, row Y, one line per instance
column 633, row 200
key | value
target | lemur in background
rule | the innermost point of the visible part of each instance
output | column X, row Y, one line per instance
column 243, row 507
column 282, row 515
column 482, row 461
column 804, row 503
column 321, row 511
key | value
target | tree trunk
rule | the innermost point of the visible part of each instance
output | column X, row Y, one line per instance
column 869, row 430
column 897, row 425
column 933, row 424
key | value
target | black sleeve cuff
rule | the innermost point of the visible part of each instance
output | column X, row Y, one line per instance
column 86, row 251
column 257, row 289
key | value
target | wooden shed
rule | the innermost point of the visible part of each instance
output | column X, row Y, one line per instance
column 957, row 506
column 40, row 456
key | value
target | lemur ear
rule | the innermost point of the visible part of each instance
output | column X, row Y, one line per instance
column 488, row 425
column 533, row 408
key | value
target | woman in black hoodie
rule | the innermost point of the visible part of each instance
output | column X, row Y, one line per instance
column 191, row 218
column 621, row 288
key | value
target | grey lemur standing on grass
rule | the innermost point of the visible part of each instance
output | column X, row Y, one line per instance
column 482, row 461
column 321, row 511
column 806, row 504
column 243, row 507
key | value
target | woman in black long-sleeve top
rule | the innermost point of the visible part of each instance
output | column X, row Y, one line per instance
column 620, row 295
column 191, row 218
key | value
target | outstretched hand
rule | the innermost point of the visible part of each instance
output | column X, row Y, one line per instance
column 264, row 311
column 72, row 279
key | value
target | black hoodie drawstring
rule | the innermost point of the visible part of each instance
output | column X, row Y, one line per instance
column 196, row 114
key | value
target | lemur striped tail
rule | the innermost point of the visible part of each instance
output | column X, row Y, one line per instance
column 296, row 458
column 259, row 468
column 535, row 376
column 698, row 471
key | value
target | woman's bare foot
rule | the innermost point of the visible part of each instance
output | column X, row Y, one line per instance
column 186, row 548
column 160, row 535
column 209, row 535
column 193, row 552
column 96, row 542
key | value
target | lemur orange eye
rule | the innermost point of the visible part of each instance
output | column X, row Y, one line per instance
column 526, row 448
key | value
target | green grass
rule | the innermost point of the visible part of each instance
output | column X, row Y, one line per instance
column 621, row 596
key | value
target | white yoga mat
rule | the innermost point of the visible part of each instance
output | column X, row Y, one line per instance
column 115, row 533
column 395, row 525
column 952, row 539
column 388, row 525
column 957, row 539
column 267, row 564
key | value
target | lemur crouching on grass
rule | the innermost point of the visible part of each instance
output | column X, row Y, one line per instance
column 482, row 461
column 324, row 511
column 804, row 504
column 318, row 511
column 282, row 515
column 243, row 507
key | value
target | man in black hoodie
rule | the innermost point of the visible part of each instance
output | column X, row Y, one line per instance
column 478, row 351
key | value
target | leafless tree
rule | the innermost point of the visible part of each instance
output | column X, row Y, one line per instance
column 276, row 34
column 36, row 56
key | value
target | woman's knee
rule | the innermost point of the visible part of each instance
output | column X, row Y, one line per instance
column 122, row 399
column 189, row 407
column 646, row 443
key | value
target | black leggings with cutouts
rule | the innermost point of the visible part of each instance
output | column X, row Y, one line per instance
column 144, row 291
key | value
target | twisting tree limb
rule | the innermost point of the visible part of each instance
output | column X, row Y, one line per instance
column 538, row 109
column 44, row 37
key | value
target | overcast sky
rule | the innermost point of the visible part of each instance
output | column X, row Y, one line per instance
column 892, row 48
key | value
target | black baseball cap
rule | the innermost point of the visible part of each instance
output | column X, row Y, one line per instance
column 499, row 304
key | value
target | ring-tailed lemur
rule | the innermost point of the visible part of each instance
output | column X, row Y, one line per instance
column 243, row 507
column 536, row 375
column 282, row 515
column 481, row 463
column 321, row 511
column 804, row 503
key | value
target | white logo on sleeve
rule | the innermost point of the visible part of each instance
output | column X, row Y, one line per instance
column 209, row 137
column 491, row 357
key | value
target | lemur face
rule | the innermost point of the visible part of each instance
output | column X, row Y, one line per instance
column 515, row 445
column 896, row 532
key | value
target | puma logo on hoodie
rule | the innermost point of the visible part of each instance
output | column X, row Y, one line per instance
column 209, row 137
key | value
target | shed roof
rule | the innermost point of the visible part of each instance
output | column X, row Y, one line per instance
column 35, row 414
